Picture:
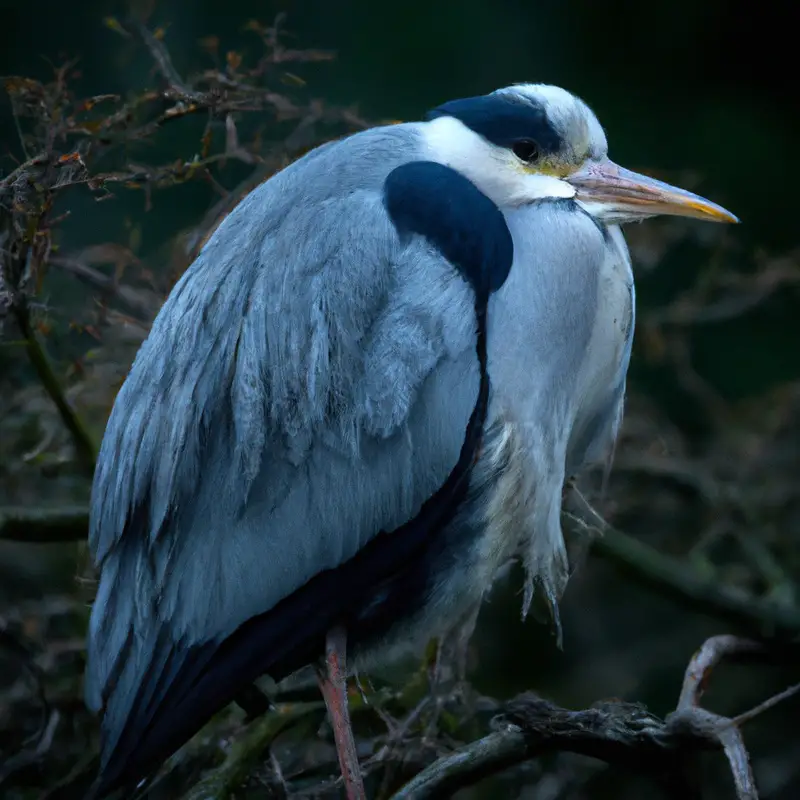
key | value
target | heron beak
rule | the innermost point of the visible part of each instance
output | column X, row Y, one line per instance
column 614, row 193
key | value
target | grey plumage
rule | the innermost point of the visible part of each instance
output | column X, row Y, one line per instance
column 276, row 390
column 556, row 323
column 309, row 382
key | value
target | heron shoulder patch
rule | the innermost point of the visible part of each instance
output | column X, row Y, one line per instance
column 468, row 229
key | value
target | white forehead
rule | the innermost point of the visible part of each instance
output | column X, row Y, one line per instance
column 568, row 114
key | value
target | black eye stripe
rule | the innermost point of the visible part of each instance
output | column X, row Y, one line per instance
column 504, row 120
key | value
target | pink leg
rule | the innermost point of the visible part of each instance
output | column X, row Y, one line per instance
column 332, row 679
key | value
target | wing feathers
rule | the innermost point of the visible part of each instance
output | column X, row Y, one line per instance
column 186, row 685
column 299, row 393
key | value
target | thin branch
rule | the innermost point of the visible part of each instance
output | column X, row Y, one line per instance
column 679, row 579
column 766, row 705
column 84, row 446
column 709, row 656
column 18, row 172
column 247, row 752
column 163, row 61
column 616, row 732
column 467, row 766
column 133, row 299
column 690, row 717
column 644, row 563
column 679, row 471
column 745, row 293
column 28, row 758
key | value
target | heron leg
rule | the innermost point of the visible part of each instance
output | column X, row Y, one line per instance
column 332, row 677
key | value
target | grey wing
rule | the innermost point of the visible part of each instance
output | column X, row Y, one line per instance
column 300, row 391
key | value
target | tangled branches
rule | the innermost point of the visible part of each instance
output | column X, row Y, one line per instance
column 613, row 731
column 715, row 518
column 72, row 145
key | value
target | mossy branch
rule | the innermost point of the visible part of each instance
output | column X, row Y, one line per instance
column 641, row 562
column 679, row 579
column 84, row 446
column 619, row 733
column 247, row 752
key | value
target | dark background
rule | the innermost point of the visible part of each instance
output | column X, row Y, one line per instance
column 699, row 93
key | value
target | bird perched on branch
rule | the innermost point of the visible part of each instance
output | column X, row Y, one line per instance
column 362, row 398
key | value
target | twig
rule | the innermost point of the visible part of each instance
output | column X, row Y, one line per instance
column 679, row 471
column 28, row 758
column 247, row 752
column 722, row 499
column 725, row 730
column 25, row 657
column 615, row 732
column 766, row 705
column 62, row 524
column 163, row 61
column 745, row 293
column 679, row 579
column 487, row 756
column 644, row 563
column 713, row 651
column 84, row 446
column 127, row 295
column 690, row 717
column 19, row 172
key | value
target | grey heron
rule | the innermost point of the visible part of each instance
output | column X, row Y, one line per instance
column 362, row 398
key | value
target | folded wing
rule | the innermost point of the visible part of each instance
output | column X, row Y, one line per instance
column 308, row 385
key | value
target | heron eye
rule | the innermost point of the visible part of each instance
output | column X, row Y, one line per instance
column 526, row 150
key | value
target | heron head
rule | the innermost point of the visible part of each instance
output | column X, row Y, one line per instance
column 532, row 142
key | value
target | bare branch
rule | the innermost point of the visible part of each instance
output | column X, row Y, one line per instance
column 27, row 758
column 134, row 300
column 709, row 656
column 739, row 760
column 766, row 705
column 84, row 446
column 690, row 717
column 163, row 61
column 679, row 579
column 248, row 752
column 466, row 766
column 616, row 732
